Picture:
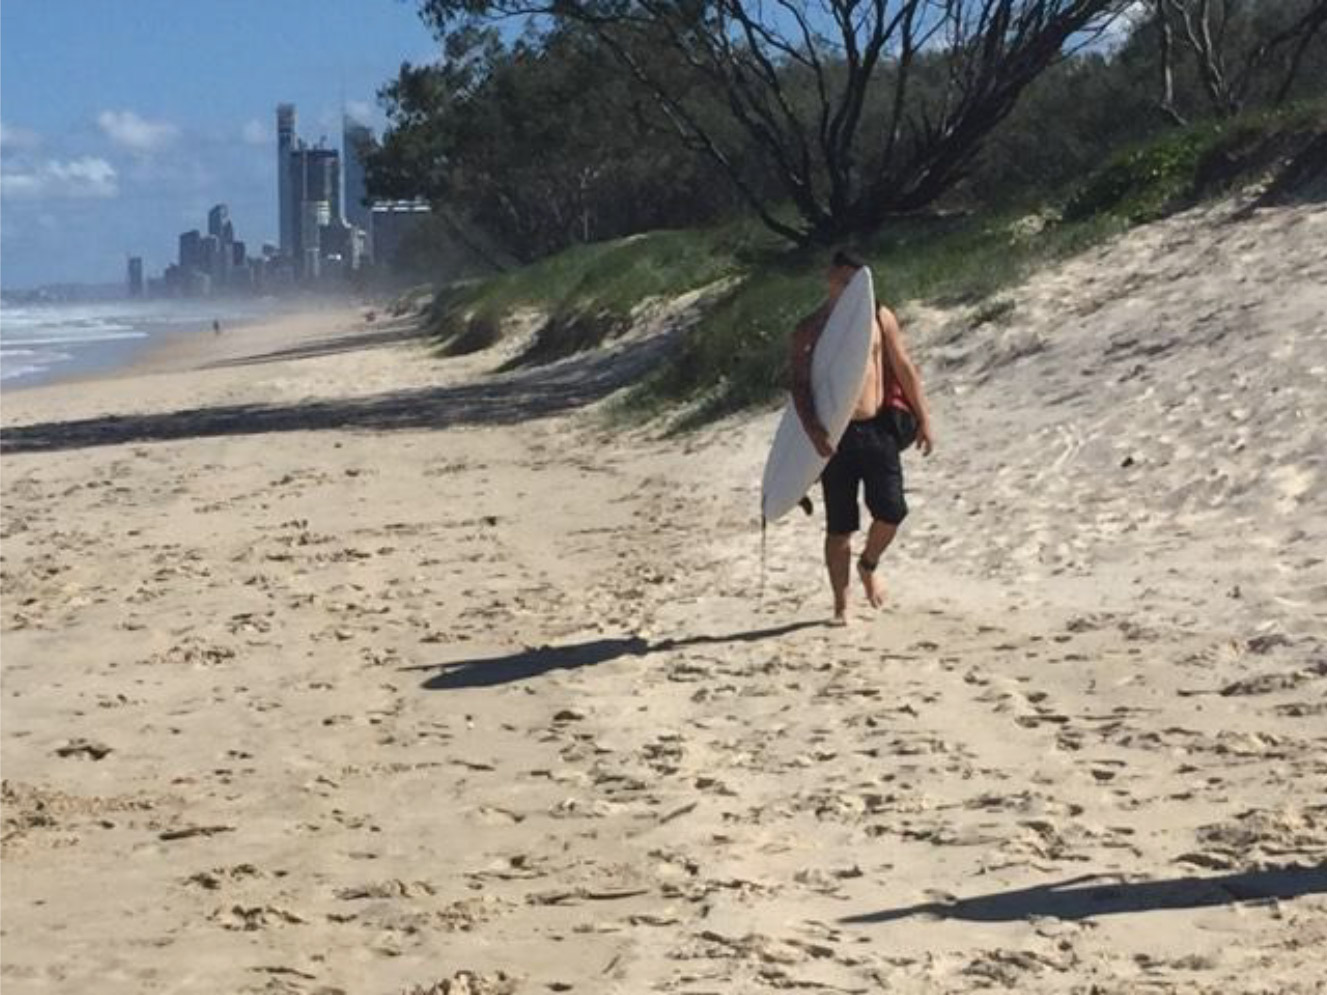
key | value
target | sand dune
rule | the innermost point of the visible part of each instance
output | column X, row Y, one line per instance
column 333, row 667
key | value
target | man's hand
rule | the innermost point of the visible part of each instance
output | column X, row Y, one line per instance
column 820, row 439
column 925, row 441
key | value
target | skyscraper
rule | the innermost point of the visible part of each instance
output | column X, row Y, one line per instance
column 191, row 250
column 287, row 209
column 135, row 276
column 217, row 220
column 356, row 143
column 314, row 176
column 213, row 260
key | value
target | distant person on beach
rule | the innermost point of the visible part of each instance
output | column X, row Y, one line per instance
column 216, row 327
column 890, row 415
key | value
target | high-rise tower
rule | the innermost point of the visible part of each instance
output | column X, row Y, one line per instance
column 287, row 207
column 135, row 276
column 356, row 143
column 217, row 219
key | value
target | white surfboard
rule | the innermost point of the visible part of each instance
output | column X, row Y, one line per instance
column 838, row 371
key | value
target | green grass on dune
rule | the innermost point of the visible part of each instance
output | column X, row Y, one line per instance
column 1196, row 163
column 735, row 355
column 588, row 292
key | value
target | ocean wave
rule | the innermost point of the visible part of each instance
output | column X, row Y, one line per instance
column 32, row 362
column 14, row 372
column 105, row 336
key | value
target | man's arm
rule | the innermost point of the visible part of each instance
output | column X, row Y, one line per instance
column 909, row 379
column 803, row 346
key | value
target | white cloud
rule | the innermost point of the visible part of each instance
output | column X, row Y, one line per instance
column 86, row 177
column 255, row 133
column 127, row 129
column 12, row 138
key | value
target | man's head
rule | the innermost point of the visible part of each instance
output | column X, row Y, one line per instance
column 842, row 268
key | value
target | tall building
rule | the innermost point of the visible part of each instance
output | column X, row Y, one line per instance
column 322, row 183
column 213, row 260
column 315, row 193
column 217, row 220
column 286, row 208
column 191, row 253
column 135, row 276
column 356, row 143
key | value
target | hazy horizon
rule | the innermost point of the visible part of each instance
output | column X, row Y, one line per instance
column 120, row 125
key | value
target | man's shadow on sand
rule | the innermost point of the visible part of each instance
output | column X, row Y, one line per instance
column 526, row 664
column 1094, row 895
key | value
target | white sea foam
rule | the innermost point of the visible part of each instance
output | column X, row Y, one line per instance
column 41, row 339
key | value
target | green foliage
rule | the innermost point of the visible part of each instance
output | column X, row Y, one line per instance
column 539, row 144
column 736, row 357
column 588, row 291
column 1141, row 184
column 1203, row 160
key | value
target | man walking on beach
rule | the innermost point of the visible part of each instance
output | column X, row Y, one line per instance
column 890, row 415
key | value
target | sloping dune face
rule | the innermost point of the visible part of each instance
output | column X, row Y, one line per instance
column 1152, row 405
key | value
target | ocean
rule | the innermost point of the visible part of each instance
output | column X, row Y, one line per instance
column 39, row 342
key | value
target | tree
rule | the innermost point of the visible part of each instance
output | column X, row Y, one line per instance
column 1236, row 47
column 796, row 79
column 537, row 144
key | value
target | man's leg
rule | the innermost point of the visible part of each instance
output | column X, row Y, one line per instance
column 878, row 538
column 884, row 497
column 838, row 560
column 838, row 485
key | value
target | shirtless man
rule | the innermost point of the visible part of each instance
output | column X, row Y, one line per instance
column 889, row 415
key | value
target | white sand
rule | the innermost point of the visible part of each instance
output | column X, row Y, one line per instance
column 1076, row 754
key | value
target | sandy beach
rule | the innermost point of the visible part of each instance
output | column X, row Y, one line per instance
column 333, row 666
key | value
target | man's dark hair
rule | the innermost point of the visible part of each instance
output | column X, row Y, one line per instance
column 844, row 257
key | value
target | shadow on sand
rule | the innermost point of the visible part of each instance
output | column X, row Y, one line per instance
column 493, row 400
column 532, row 663
column 375, row 338
column 1095, row 895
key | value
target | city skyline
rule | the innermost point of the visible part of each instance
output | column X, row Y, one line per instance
column 316, row 246
column 115, row 135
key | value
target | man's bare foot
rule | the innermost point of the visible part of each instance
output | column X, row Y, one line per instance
column 839, row 620
column 871, row 584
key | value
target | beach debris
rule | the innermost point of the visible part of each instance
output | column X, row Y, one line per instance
column 213, row 880
column 584, row 894
column 190, row 831
column 469, row 983
column 1266, row 643
column 254, row 917
column 280, row 969
column 83, row 748
column 387, row 889
column 677, row 813
column 1267, row 683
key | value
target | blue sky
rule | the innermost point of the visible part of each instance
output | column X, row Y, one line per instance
column 122, row 122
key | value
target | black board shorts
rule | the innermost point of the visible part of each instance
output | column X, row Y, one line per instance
column 868, row 455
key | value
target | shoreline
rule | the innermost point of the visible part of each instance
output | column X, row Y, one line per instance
column 170, row 349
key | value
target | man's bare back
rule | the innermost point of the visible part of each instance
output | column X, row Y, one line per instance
column 872, row 397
